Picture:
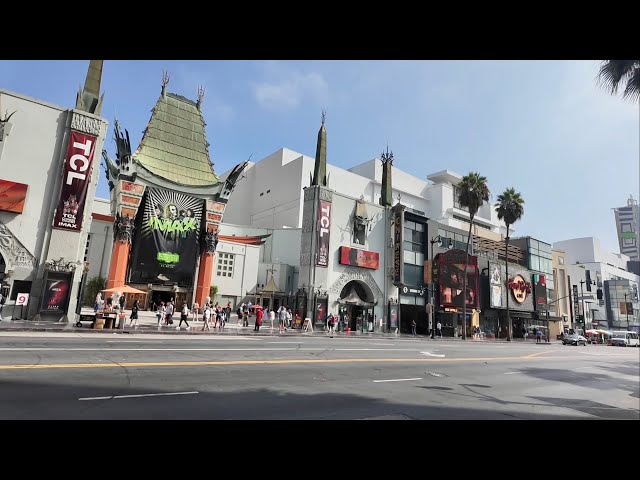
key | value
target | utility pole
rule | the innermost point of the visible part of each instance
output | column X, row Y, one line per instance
column 626, row 307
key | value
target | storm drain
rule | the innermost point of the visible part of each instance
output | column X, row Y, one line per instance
column 435, row 374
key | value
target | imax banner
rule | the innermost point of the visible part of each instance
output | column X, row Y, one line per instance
column 167, row 238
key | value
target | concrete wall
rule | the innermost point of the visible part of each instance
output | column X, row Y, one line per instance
column 588, row 250
column 245, row 269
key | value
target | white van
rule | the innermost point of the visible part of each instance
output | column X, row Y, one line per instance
column 625, row 339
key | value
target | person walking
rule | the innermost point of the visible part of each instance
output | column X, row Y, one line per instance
column 134, row 312
column 439, row 327
column 413, row 327
column 195, row 310
column 168, row 313
column 524, row 334
column 245, row 315
column 332, row 322
column 183, row 316
column 282, row 318
column 538, row 336
column 121, row 301
column 160, row 312
column 206, row 316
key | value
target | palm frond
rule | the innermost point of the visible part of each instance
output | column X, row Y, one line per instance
column 632, row 91
column 510, row 206
column 614, row 74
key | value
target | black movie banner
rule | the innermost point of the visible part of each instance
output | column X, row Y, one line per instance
column 57, row 289
column 167, row 238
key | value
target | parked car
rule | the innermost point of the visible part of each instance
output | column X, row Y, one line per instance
column 574, row 339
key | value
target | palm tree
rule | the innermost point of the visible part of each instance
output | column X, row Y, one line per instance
column 510, row 208
column 473, row 192
column 615, row 73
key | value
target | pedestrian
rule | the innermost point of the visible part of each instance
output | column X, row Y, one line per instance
column 259, row 315
column 413, row 327
column 282, row 318
column 168, row 313
column 332, row 322
column 245, row 315
column 134, row 312
column 2, row 300
column 121, row 301
column 524, row 334
column 195, row 307
column 538, row 336
column 110, row 302
column 289, row 319
column 160, row 312
column 183, row 316
column 439, row 327
column 96, row 307
column 206, row 316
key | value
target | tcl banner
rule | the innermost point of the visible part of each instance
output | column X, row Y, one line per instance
column 324, row 231
column 77, row 172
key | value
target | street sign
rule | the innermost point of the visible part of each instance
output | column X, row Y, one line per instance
column 22, row 299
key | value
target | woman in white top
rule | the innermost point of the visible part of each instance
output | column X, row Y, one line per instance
column 272, row 317
column 206, row 315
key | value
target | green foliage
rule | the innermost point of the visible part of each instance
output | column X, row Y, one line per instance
column 616, row 73
column 510, row 207
column 91, row 289
column 473, row 192
column 213, row 292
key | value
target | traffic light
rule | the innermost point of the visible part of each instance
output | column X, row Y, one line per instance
column 580, row 319
column 599, row 294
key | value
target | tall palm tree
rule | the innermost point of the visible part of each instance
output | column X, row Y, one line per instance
column 510, row 208
column 473, row 192
column 616, row 73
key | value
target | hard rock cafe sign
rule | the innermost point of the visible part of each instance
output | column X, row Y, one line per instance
column 519, row 288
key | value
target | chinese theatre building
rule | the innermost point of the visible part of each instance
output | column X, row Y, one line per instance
column 49, row 157
column 168, row 204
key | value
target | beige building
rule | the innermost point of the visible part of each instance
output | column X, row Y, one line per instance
column 562, row 294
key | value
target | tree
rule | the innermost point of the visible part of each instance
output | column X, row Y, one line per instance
column 616, row 73
column 91, row 289
column 510, row 208
column 473, row 192
column 213, row 292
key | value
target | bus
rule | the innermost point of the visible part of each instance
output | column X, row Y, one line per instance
column 624, row 338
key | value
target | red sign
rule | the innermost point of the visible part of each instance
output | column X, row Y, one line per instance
column 359, row 258
column 77, row 176
column 324, row 231
column 12, row 196
column 520, row 288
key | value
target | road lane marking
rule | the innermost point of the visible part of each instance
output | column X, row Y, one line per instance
column 534, row 355
column 384, row 344
column 267, row 362
column 432, row 354
column 398, row 380
column 295, row 343
column 138, row 396
column 511, row 373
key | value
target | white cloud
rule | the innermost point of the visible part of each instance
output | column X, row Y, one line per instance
column 287, row 93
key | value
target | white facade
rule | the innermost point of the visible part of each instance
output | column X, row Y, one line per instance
column 32, row 150
column 235, row 271
column 586, row 254
column 100, row 240
column 270, row 194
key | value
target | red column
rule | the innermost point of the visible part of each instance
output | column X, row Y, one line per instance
column 205, row 272
column 118, row 265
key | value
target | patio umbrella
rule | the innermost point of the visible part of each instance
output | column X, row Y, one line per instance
column 123, row 289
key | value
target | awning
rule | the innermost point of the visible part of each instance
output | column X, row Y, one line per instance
column 354, row 299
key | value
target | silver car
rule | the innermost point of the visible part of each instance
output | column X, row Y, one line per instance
column 574, row 339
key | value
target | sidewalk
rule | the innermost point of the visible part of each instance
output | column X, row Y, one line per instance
column 147, row 324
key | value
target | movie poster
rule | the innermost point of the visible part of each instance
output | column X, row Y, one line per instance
column 167, row 235
column 57, row 288
column 451, row 279
column 356, row 257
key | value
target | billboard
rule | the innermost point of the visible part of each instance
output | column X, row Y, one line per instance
column 451, row 279
column 324, row 232
column 356, row 257
column 77, row 176
column 167, row 235
column 540, row 291
column 12, row 196
column 398, row 234
column 495, row 285
column 57, row 289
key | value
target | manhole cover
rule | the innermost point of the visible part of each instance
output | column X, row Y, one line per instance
column 435, row 374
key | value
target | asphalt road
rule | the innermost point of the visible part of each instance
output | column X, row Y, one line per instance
column 106, row 376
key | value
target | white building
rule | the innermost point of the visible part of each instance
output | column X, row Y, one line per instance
column 100, row 239
column 50, row 157
column 588, row 262
column 270, row 195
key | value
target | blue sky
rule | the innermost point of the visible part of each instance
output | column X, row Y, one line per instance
column 543, row 127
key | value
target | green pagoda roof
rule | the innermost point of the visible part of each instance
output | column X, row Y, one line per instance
column 174, row 145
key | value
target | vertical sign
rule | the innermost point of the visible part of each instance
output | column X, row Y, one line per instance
column 77, row 176
column 324, row 231
column 398, row 230
column 576, row 303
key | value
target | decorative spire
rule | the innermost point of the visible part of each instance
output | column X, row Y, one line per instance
column 165, row 82
column 88, row 98
column 387, row 188
column 320, row 167
column 200, row 97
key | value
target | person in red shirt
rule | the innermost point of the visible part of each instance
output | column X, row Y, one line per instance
column 259, row 315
